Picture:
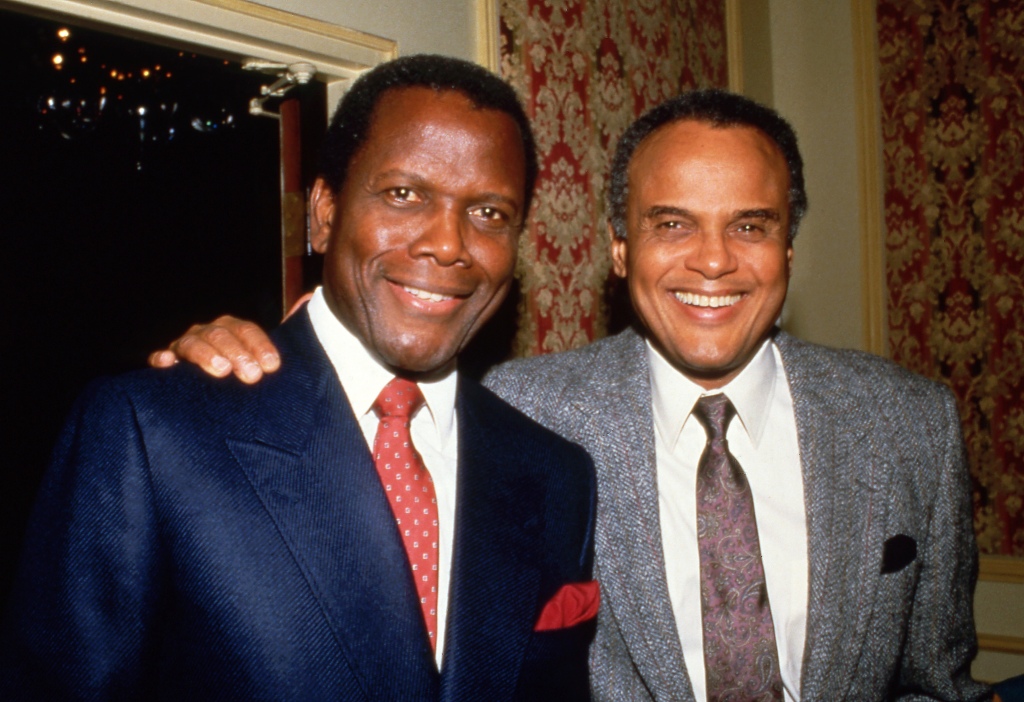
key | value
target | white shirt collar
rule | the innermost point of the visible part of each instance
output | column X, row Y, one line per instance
column 673, row 395
column 362, row 377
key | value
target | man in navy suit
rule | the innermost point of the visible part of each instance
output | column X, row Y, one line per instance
column 205, row 539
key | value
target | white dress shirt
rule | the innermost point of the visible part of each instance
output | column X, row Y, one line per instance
column 763, row 439
column 434, row 431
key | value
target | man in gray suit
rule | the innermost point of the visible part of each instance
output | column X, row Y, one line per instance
column 855, row 467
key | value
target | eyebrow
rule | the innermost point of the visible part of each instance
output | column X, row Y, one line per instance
column 419, row 180
column 767, row 213
column 489, row 196
column 660, row 210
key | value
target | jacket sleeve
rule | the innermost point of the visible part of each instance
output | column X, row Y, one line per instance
column 941, row 639
column 78, row 623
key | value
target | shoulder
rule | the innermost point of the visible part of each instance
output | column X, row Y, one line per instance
column 545, row 386
column 860, row 383
column 154, row 407
column 804, row 359
column 185, row 399
column 568, row 367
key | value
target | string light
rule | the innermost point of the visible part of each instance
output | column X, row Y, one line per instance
column 155, row 102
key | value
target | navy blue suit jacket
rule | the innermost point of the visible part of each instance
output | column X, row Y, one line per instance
column 200, row 539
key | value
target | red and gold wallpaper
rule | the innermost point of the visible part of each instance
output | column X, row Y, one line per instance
column 952, row 94
column 585, row 70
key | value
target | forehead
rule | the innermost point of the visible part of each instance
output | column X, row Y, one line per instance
column 421, row 130
column 697, row 156
column 424, row 113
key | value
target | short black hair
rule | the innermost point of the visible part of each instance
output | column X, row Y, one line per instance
column 350, row 125
column 719, row 109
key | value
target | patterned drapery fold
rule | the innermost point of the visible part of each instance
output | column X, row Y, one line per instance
column 586, row 69
column 952, row 92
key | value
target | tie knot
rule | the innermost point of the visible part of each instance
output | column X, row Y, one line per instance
column 714, row 412
column 399, row 398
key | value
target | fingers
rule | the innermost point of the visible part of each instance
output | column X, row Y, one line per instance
column 258, row 344
column 225, row 345
column 162, row 359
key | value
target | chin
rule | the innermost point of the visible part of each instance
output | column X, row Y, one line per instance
column 424, row 364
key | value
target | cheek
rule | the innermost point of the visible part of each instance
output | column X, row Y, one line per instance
column 648, row 265
column 774, row 283
column 354, row 248
column 496, row 260
column 772, row 269
column 346, row 273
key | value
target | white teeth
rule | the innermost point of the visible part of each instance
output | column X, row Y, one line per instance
column 707, row 300
column 424, row 295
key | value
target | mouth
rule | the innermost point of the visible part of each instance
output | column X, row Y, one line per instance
column 696, row 300
column 426, row 295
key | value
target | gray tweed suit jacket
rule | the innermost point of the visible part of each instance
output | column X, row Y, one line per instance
column 891, row 548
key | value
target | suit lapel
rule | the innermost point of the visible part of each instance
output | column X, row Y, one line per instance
column 308, row 462
column 630, row 557
column 844, row 487
column 495, row 585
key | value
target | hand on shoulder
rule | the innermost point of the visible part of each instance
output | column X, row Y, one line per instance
column 221, row 347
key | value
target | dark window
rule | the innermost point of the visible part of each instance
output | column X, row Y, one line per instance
column 137, row 195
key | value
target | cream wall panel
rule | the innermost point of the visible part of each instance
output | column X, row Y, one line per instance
column 437, row 26
column 999, row 618
column 749, row 39
column 995, row 666
column 813, row 85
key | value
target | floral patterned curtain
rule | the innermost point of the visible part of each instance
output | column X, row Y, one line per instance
column 586, row 69
column 952, row 90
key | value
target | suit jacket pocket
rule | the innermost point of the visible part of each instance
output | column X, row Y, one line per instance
column 897, row 553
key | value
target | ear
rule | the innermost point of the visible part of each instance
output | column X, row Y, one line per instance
column 321, row 215
column 789, row 261
column 618, row 253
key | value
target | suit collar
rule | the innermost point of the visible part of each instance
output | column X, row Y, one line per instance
column 631, row 562
column 309, row 464
column 495, row 577
column 845, row 481
column 362, row 376
column 674, row 394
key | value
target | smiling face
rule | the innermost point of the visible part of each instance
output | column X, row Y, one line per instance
column 420, row 242
column 707, row 257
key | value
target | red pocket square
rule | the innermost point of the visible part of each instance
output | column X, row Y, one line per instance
column 574, row 603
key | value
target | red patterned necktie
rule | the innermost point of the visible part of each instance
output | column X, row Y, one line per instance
column 410, row 490
column 741, row 661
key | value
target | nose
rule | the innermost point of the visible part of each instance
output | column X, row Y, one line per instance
column 711, row 255
column 443, row 238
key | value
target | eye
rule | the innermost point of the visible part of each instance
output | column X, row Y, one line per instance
column 491, row 213
column 750, row 231
column 403, row 195
column 491, row 217
column 672, row 228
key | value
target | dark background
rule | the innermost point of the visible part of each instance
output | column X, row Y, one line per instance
column 118, row 230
